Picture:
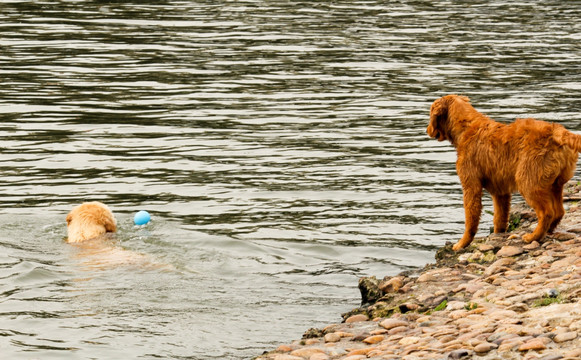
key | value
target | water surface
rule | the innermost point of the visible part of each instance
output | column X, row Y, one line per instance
column 280, row 147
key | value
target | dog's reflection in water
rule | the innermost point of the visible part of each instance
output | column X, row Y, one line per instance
column 91, row 229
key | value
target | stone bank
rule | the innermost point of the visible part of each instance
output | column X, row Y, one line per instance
column 498, row 299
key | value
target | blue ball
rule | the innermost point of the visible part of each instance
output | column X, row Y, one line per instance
column 141, row 218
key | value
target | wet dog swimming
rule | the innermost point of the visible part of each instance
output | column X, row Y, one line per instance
column 90, row 226
column 90, row 220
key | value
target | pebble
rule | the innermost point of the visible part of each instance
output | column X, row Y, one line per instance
column 510, row 345
column 518, row 307
column 485, row 347
column 498, row 265
column 532, row 246
column 307, row 352
column 359, row 352
column 357, row 318
column 319, row 356
column 409, row 340
column 459, row 354
column 355, row 357
column 534, row 344
column 391, row 285
column 426, row 277
column 574, row 353
column 507, row 251
column 287, row 357
column 568, row 336
column 485, row 247
column 455, row 305
column 392, row 323
column 547, row 357
column 373, row 339
column 332, row 337
column 397, row 330
column 284, row 348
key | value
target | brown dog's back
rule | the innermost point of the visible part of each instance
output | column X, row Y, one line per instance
column 518, row 156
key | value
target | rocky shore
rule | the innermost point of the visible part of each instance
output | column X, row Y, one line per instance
column 498, row 299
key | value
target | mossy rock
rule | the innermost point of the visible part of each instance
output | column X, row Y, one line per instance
column 381, row 310
column 313, row 333
column 369, row 288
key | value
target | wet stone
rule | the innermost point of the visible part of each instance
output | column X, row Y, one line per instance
column 357, row 318
column 373, row 339
column 287, row 357
column 568, row 336
column 319, row 356
column 534, row 344
column 391, row 285
column 576, row 353
column 519, row 307
column 409, row 340
column 460, row 354
column 392, row 323
column 532, row 246
column 332, row 337
column 485, row 347
column 551, row 357
column 508, row 251
column 307, row 352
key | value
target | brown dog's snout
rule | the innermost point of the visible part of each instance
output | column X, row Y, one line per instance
column 435, row 134
column 431, row 131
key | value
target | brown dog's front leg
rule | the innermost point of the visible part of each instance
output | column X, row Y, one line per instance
column 472, row 209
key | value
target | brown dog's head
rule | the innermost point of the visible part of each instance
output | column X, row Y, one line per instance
column 440, row 126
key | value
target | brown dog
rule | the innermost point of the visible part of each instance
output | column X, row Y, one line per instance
column 89, row 220
column 534, row 157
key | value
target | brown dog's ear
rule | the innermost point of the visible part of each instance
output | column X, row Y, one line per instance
column 439, row 108
column 69, row 219
column 438, row 115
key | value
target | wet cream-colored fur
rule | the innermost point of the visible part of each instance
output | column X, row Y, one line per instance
column 89, row 220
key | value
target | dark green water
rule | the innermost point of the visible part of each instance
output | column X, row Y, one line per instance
column 279, row 145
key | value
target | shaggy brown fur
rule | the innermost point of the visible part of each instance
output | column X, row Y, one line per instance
column 89, row 220
column 534, row 157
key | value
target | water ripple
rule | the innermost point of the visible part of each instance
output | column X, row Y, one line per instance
column 280, row 147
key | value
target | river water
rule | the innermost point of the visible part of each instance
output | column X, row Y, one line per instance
column 280, row 147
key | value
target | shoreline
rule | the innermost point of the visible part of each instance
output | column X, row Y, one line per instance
column 499, row 298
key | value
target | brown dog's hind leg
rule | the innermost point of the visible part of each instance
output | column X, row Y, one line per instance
column 501, row 212
column 472, row 209
column 542, row 202
column 557, row 205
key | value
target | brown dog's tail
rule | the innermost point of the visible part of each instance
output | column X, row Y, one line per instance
column 563, row 136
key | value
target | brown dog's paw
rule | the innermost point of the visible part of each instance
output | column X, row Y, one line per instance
column 528, row 238
column 457, row 246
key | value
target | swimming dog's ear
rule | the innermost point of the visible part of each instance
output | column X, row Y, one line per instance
column 69, row 219
column 109, row 222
